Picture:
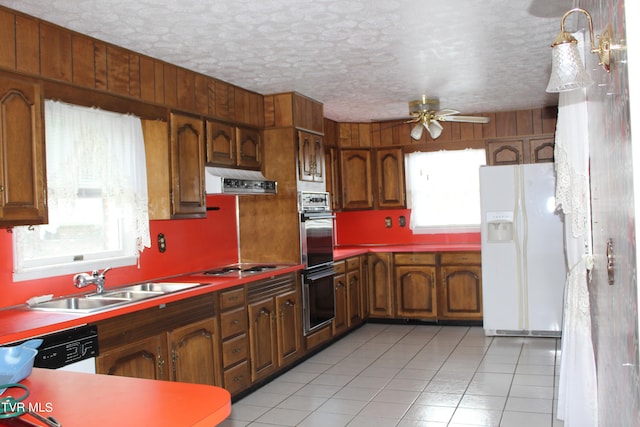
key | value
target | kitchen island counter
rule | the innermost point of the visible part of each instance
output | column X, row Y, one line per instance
column 80, row 399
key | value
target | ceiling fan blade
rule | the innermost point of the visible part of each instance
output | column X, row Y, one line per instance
column 446, row 112
column 435, row 129
column 466, row 119
column 416, row 132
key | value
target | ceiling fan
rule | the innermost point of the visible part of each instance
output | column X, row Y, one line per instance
column 427, row 115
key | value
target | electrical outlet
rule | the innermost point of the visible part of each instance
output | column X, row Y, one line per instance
column 162, row 243
column 387, row 222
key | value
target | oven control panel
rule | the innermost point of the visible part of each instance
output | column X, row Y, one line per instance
column 311, row 201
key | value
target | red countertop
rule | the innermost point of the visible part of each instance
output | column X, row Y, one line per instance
column 20, row 323
column 80, row 399
column 342, row 252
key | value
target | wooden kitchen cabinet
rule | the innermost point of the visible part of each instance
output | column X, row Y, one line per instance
column 22, row 154
column 353, row 281
column 234, row 336
column 415, row 286
column 356, row 174
column 188, row 198
column 193, row 352
column 275, row 324
column 340, row 321
column 221, row 144
column 311, row 165
column 460, row 293
column 538, row 149
column 380, row 281
column 390, row 178
column 176, row 341
column 232, row 146
column 146, row 358
column 249, row 148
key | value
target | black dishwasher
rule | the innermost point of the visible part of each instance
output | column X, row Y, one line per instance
column 66, row 347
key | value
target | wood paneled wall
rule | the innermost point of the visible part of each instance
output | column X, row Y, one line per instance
column 508, row 124
column 37, row 48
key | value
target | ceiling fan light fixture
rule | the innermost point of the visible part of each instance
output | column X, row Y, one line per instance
column 416, row 132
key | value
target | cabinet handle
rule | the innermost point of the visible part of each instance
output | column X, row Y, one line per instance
column 236, row 350
column 264, row 312
column 238, row 378
column 160, row 364
column 235, row 322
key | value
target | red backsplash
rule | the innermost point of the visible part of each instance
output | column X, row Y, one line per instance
column 192, row 244
column 369, row 228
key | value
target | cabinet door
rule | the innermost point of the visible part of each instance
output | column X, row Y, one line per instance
column 288, row 327
column 187, row 167
column 341, row 307
column 416, row 291
column 380, row 281
column 145, row 358
column 310, row 157
column 390, row 178
column 262, row 338
column 221, row 144
column 332, row 181
column 355, row 170
column 249, row 148
column 541, row 150
column 461, row 295
column 193, row 353
column 354, row 310
column 22, row 155
column 505, row 152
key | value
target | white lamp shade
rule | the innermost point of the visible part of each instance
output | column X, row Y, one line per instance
column 567, row 70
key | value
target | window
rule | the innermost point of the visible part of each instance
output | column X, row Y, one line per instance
column 443, row 190
column 97, row 195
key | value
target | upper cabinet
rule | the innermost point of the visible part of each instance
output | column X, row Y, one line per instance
column 390, row 178
column 249, row 148
column 539, row 149
column 356, row 174
column 232, row 146
column 188, row 197
column 22, row 155
column 310, row 157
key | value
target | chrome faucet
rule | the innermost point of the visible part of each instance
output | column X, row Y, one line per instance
column 81, row 280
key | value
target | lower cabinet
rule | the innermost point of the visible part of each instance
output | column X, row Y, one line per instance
column 176, row 342
column 415, row 286
column 146, row 358
column 235, row 344
column 275, row 328
column 425, row 286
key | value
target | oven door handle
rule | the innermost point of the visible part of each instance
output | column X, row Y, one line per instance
column 306, row 217
column 317, row 275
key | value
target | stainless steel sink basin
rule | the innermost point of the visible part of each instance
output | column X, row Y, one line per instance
column 91, row 303
column 161, row 287
column 79, row 304
column 125, row 295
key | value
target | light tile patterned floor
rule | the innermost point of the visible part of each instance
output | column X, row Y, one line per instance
column 413, row 375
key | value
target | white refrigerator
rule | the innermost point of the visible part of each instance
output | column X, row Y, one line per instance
column 523, row 260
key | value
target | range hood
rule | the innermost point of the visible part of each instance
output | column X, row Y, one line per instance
column 237, row 181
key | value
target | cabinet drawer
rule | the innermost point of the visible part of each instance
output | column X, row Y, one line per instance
column 415, row 258
column 234, row 350
column 353, row 263
column 233, row 322
column 461, row 258
column 339, row 267
column 237, row 378
column 232, row 298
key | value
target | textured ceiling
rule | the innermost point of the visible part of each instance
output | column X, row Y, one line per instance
column 364, row 59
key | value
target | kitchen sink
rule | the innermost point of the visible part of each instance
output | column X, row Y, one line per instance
column 91, row 303
column 159, row 287
column 79, row 304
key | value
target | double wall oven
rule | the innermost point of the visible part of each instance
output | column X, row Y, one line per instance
column 316, row 249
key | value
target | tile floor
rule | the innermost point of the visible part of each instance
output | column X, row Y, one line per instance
column 413, row 375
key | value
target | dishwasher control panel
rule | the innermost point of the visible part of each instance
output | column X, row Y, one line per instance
column 66, row 347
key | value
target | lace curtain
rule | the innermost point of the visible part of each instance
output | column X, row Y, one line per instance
column 577, row 393
column 91, row 154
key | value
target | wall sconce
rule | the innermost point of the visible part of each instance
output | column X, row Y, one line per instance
column 567, row 69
